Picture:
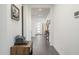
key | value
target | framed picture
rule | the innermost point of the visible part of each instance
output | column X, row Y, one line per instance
column 76, row 14
column 14, row 12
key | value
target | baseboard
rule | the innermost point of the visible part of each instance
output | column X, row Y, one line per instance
column 56, row 50
column 51, row 44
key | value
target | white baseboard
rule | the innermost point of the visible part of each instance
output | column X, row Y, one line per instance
column 51, row 44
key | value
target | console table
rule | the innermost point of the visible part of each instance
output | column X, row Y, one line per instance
column 21, row 49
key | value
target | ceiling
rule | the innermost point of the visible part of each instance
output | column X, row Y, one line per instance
column 39, row 12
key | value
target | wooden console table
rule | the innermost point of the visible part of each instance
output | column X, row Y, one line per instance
column 21, row 49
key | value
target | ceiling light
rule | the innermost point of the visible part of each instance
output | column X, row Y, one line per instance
column 39, row 9
column 39, row 15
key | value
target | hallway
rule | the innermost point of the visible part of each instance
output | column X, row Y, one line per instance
column 58, row 22
column 41, row 46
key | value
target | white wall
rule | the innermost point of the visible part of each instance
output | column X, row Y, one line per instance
column 66, row 29
column 3, row 26
column 9, row 28
column 27, row 22
column 51, row 25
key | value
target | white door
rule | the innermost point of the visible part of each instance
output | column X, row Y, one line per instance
column 38, row 28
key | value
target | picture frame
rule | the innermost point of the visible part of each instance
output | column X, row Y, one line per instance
column 15, row 12
column 76, row 14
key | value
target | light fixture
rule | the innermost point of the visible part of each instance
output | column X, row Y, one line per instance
column 39, row 15
column 39, row 9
